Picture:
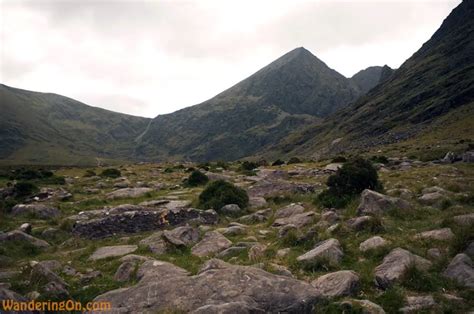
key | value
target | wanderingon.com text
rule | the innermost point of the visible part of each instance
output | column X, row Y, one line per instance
column 68, row 305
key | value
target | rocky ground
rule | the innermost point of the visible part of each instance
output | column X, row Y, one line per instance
column 140, row 242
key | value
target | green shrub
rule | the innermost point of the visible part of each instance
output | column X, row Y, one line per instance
column 248, row 166
column 24, row 189
column 278, row 162
column 418, row 280
column 392, row 300
column 294, row 160
column 220, row 193
column 379, row 159
column 339, row 159
column 197, row 178
column 350, row 180
column 111, row 173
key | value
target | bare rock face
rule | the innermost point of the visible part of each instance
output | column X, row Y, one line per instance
column 444, row 234
column 395, row 265
column 373, row 243
column 128, row 193
column 375, row 203
column 218, row 288
column 213, row 242
column 37, row 210
column 328, row 251
column 461, row 270
column 289, row 210
column 338, row 284
column 112, row 251
column 17, row 235
column 138, row 219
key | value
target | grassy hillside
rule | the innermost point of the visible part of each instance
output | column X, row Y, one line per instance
column 40, row 128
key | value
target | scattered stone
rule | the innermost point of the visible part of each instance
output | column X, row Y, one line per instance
column 233, row 230
column 359, row 223
column 435, row 198
column 333, row 167
column 376, row 203
column 299, row 220
column 283, row 252
column 51, row 284
column 155, row 243
column 464, row 220
column 259, row 216
column 125, row 271
column 330, row 216
column 434, row 253
column 257, row 252
column 89, row 277
column 17, row 235
column 128, row 193
column 69, row 271
column 26, row 228
column 367, row 306
column 373, row 243
column 289, row 210
column 231, row 210
column 257, row 202
column 395, row 265
column 232, row 251
column 415, row 304
column 182, row 236
column 433, row 189
column 280, row 270
column 112, row 251
column 36, row 210
column 468, row 156
column 461, row 270
column 213, row 242
column 286, row 229
column 218, row 288
column 444, row 234
column 328, row 251
column 266, row 188
column 134, row 258
column 338, row 284
column 50, row 233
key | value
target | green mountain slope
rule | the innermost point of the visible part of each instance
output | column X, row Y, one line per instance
column 291, row 92
column 432, row 90
column 41, row 128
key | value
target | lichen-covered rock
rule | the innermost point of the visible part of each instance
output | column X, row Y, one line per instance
column 217, row 287
column 338, row 284
column 36, row 210
column 461, row 270
column 328, row 251
column 375, row 203
column 289, row 210
column 213, row 242
column 395, row 265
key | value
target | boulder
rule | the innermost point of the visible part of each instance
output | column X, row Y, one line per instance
column 367, row 306
column 298, row 220
column 374, row 203
column 36, row 210
column 134, row 258
column 182, row 236
column 233, row 230
column 155, row 243
column 330, row 216
column 373, row 243
column 231, row 210
column 51, row 285
column 257, row 202
column 359, row 223
column 17, row 235
column 444, row 234
column 257, row 252
column 289, row 210
column 333, row 167
column 464, row 220
column 259, row 216
column 219, row 287
column 26, row 228
column 468, row 156
column 267, row 188
column 128, row 193
column 328, row 251
column 461, row 270
column 231, row 252
column 338, row 284
column 112, row 251
column 395, row 265
column 280, row 270
column 213, row 242
column 435, row 198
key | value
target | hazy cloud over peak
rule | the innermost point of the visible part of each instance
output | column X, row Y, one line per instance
column 152, row 57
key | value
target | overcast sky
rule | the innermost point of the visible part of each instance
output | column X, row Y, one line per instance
column 152, row 57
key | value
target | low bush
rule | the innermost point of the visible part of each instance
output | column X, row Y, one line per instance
column 24, row 189
column 294, row 160
column 248, row 166
column 197, row 178
column 220, row 193
column 278, row 162
column 339, row 159
column 379, row 159
column 350, row 180
column 111, row 173
column 89, row 173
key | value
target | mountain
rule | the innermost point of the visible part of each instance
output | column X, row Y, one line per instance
column 424, row 107
column 370, row 77
column 42, row 128
column 295, row 90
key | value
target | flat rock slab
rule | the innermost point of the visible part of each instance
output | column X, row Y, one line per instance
column 37, row 210
column 376, row 203
column 128, row 193
column 373, row 243
column 17, row 235
column 112, row 251
column 338, row 284
column 328, row 251
column 444, row 234
column 289, row 210
column 219, row 287
column 213, row 242
column 271, row 188
column 298, row 220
